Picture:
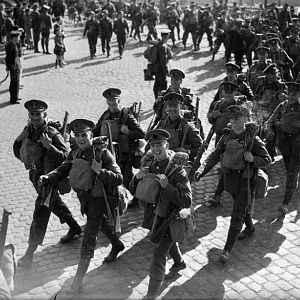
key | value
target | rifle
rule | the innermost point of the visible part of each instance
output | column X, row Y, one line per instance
column 202, row 149
column 197, row 112
column 64, row 127
column 139, row 111
column 113, row 217
column 3, row 231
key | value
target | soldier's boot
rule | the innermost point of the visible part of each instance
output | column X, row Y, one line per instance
column 231, row 239
column 80, row 273
column 25, row 262
column 117, row 245
column 73, row 233
column 284, row 208
column 153, row 289
column 249, row 229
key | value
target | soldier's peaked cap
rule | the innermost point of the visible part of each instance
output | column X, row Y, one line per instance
column 165, row 31
column 173, row 98
column 177, row 73
column 229, row 87
column 293, row 87
column 273, row 40
column 232, row 67
column 81, row 125
column 157, row 135
column 271, row 69
column 262, row 48
column 112, row 93
column 36, row 105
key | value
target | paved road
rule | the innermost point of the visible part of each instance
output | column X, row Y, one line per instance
column 265, row 266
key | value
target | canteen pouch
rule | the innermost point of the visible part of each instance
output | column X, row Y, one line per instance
column 148, row 75
column 148, row 189
column 261, row 184
column 182, row 226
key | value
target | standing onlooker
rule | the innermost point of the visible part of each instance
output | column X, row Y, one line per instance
column 120, row 29
column 8, row 24
column 59, row 48
column 105, row 32
column 35, row 23
column 13, row 64
column 27, row 27
column 92, row 30
column 45, row 27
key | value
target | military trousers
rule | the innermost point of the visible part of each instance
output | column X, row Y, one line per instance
column 14, row 85
column 105, row 43
column 92, row 40
column 121, row 39
column 36, row 38
column 165, row 247
column 41, row 217
column 95, row 224
column 290, row 151
column 45, row 41
column 208, row 32
column 160, row 83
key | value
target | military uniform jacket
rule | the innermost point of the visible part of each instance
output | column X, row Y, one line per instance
column 120, row 28
column 261, row 156
column 91, row 28
column 106, row 27
column 35, row 21
column 256, row 70
column 124, row 118
column 45, row 23
column 178, row 127
column 110, row 175
column 13, row 54
column 53, row 156
column 164, row 54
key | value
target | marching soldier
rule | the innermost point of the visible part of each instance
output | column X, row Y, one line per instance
column 184, row 136
column 280, row 57
column 256, row 70
column 285, row 122
column 292, row 47
column 42, row 148
column 172, row 20
column 125, row 131
column 92, row 30
column 94, row 175
column 218, row 116
column 106, row 30
column 233, row 75
column 190, row 25
column 188, row 108
column 152, row 15
column 238, row 147
column 121, row 29
column 206, row 23
column 175, row 194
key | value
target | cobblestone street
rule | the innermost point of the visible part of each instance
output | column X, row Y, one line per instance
column 266, row 266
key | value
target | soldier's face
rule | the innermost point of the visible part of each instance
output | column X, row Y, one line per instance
column 173, row 110
column 175, row 82
column 113, row 104
column 238, row 123
column 84, row 140
column 37, row 118
column 261, row 55
column 231, row 75
column 159, row 149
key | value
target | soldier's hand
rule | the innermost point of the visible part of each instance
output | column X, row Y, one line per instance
column 24, row 134
column 96, row 166
column 46, row 141
column 282, row 97
column 162, row 180
column 124, row 129
column 159, row 99
column 198, row 175
column 142, row 172
column 248, row 156
column 43, row 180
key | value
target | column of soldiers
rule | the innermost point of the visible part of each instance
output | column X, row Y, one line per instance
column 101, row 158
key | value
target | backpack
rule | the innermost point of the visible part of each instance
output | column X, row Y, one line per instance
column 151, row 54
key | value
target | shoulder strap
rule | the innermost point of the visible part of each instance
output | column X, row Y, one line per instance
column 185, row 130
